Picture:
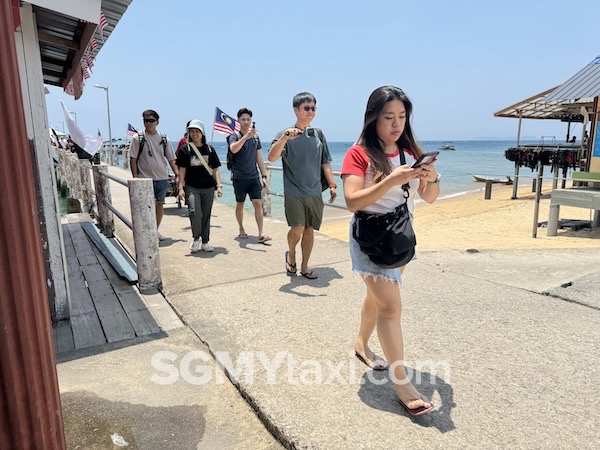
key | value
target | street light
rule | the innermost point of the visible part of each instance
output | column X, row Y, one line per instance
column 112, row 155
column 75, row 114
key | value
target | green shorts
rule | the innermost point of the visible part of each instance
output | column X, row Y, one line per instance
column 304, row 211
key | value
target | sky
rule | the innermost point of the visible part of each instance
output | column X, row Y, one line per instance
column 459, row 62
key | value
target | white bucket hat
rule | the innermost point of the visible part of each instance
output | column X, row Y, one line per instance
column 198, row 125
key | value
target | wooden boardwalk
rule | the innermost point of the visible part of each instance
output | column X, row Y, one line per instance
column 104, row 307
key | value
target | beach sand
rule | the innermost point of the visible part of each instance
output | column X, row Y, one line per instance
column 471, row 222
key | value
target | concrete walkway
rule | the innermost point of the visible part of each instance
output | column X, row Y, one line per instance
column 508, row 356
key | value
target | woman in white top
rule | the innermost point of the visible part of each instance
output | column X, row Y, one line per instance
column 373, row 178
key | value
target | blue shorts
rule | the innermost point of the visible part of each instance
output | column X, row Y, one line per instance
column 362, row 265
column 160, row 190
column 252, row 187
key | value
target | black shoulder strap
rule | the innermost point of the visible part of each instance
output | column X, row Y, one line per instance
column 142, row 140
column 163, row 141
column 405, row 186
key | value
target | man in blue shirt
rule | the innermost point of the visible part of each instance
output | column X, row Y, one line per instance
column 248, row 172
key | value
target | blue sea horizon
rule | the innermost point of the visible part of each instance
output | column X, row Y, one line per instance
column 481, row 157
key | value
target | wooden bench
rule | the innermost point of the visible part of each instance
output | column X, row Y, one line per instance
column 580, row 197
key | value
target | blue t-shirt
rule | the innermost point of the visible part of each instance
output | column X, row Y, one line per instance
column 302, row 159
column 244, row 166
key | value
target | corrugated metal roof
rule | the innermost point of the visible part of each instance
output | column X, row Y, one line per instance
column 540, row 107
column 63, row 39
column 584, row 84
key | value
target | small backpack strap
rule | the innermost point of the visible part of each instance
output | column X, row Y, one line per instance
column 142, row 140
column 163, row 141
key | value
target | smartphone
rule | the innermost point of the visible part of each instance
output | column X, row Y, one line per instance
column 310, row 132
column 426, row 158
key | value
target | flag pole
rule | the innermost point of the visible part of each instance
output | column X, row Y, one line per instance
column 212, row 133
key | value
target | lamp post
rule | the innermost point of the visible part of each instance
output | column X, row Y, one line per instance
column 112, row 152
column 75, row 114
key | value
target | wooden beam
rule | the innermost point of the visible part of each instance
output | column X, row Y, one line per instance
column 59, row 42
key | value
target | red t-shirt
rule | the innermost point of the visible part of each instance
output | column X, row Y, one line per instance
column 356, row 162
column 182, row 142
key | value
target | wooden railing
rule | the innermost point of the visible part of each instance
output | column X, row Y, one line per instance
column 76, row 173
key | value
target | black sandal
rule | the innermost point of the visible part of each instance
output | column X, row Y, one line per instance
column 291, row 269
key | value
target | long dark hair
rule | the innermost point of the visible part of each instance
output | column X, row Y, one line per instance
column 368, row 138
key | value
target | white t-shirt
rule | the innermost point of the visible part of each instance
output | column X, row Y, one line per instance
column 152, row 162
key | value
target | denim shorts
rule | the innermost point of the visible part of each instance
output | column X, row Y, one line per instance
column 362, row 265
column 160, row 190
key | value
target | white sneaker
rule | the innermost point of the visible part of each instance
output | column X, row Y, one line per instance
column 195, row 246
column 161, row 237
column 206, row 247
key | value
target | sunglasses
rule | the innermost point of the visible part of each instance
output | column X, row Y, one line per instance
column 150, row 120
column 309, row 108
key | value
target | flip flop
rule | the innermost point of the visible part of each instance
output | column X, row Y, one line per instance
column 264, row 238
column 375, row 365
column 419, row 410
column 291, row 269
column 310, row 275
column 243, row 235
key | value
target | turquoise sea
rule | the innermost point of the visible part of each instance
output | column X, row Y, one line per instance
column 456, row 167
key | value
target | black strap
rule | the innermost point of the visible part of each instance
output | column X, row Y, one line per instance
column 405, row 186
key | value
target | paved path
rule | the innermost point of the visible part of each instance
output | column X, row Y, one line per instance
column 508, row 356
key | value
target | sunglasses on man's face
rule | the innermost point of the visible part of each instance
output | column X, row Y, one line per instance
column 309, row 108
column 150, row 120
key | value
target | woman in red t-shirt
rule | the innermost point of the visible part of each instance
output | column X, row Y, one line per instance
column 373, row 178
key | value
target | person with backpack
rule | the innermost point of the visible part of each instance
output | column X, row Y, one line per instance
column 199, row 165
column 149, row 153
column 248, row 171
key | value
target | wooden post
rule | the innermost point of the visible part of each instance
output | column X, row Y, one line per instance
column 488, row 189
column 266, row 204
column 145, row 234
column 596, row 220
column 86, row 195
column 538, row 194
column 105, row 216
column 516, row 182
column 553, row 215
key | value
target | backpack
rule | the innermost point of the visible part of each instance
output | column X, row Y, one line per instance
column 142, row 138
column 230, row 154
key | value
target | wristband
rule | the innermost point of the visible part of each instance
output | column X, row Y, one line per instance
column 333, row 186
column 264, row 176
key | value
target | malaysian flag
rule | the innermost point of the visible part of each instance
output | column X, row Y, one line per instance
column 130, row 130
column 225, row 124
column 100, row 137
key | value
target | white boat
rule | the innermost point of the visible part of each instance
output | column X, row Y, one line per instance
column 447, row 146
column 506, row 180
